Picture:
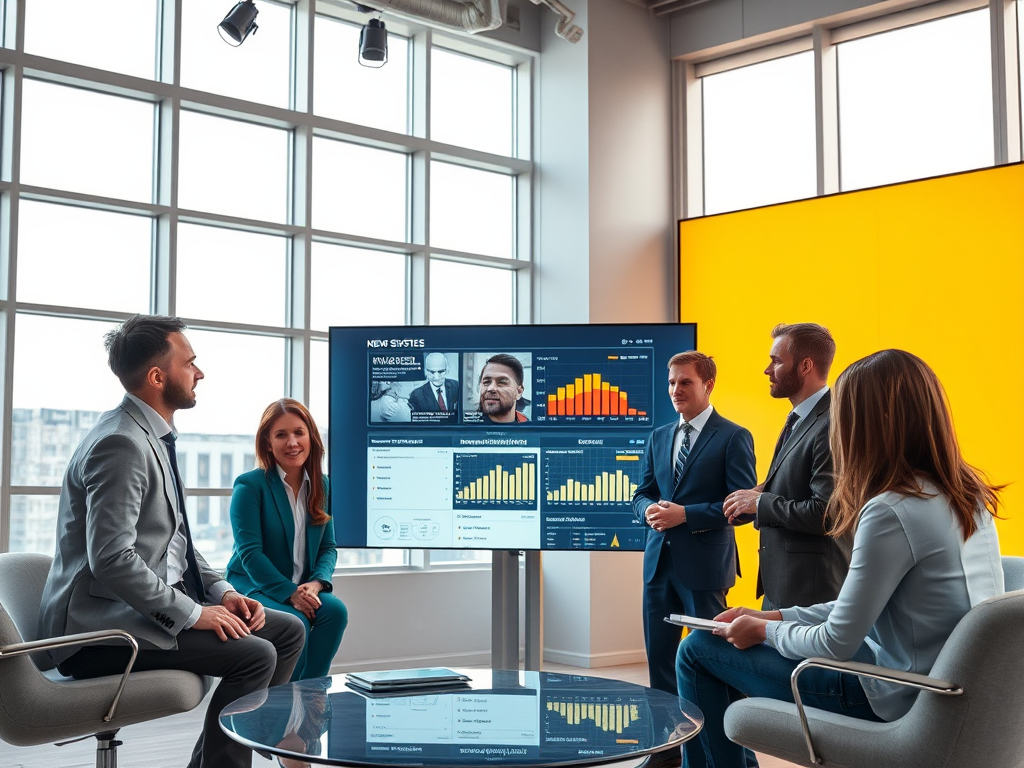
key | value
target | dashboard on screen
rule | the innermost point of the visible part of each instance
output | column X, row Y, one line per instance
column 495, row 437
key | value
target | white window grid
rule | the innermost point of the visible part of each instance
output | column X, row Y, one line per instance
column 822, row 38
column 169, row 99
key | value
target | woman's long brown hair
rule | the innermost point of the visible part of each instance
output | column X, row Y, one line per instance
column 891, row 425
column 316, row 504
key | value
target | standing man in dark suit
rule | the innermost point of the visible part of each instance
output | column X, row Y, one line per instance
column 799, row 563
column 439, row 394
column 125, row 558
column 690, row 466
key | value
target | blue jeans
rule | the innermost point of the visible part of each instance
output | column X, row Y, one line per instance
column 713, row 674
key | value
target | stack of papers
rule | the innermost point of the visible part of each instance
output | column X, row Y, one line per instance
column 393, row 680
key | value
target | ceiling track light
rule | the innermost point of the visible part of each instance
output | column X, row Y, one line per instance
column 239, row 23
column 373, row 44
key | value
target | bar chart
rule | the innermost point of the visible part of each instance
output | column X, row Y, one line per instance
column 574, row 717
column 594, row 385
column 594, row 477
column 500, row 480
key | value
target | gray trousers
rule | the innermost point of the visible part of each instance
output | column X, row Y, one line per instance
column 251, row 663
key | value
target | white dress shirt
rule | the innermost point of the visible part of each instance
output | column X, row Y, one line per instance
column 298, row 505
column 696, row 423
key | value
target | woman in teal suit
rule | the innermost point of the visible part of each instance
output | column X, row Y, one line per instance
column 284, row 551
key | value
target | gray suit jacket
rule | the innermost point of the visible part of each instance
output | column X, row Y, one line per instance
column 799, row 563
column 117, row 513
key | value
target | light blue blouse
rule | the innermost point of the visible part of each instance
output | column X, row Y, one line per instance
column 912, row 578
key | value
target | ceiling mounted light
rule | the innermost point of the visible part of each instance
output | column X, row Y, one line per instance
column 373, row 44
column 239, row 23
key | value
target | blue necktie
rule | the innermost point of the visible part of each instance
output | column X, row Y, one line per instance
column 684, row 450
column 192, row 579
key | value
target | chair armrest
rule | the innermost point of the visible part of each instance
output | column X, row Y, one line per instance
column 911, row 679
column 82, row 638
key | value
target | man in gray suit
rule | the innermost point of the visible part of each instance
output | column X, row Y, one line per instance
column 799, row 563
column 124, row 554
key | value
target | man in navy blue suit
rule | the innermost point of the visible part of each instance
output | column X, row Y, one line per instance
column 690, row 466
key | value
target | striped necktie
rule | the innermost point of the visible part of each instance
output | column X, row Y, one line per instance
column 684, row 450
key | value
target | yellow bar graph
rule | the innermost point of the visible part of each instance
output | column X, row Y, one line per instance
column 502, row 484
column 604, row 487
column 606, row 717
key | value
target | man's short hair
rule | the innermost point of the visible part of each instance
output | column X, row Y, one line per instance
column 809, row 340
column 703, row 364
column 137, row 345
column 509, row 362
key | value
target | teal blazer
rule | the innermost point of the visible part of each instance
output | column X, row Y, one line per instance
column 264, row 530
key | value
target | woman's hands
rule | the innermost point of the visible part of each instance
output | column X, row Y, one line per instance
column 746, row 626
column 305, row 598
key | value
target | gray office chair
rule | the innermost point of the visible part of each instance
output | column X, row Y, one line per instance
column 39, row 707
column 970, row 713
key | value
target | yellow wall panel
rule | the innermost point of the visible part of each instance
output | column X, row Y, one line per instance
column 935, row 267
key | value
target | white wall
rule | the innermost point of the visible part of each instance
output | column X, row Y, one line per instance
column 605, row 254
column 604, row 251
column 415, row 619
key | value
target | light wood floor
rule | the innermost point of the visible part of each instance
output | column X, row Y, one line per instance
column 168, row 742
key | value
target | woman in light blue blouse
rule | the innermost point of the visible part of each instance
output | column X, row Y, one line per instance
column 925, row 551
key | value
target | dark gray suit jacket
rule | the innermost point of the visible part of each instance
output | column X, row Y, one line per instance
column 422, row 398
column 799, row 563
column 116, row 516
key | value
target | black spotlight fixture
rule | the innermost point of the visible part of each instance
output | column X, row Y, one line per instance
column 239, row 23
column 373, row 44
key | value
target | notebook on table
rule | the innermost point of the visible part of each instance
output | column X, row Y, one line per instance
column 406, row 679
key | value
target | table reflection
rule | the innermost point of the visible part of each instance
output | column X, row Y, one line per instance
column 517, row 718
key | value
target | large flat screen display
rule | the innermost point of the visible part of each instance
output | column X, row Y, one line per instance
column 495, row 437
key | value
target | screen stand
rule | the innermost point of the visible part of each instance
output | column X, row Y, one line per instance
column 505, row 610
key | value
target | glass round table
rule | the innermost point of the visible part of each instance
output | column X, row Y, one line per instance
column 503, row 716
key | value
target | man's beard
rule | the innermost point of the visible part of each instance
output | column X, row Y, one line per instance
column 492, row 408
column 788, row 385
column 177, row 397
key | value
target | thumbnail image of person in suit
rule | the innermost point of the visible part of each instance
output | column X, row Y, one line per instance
column 501, row 386
column 125, row 558
column 439, row 394
column 689, row 468
column 800, row 564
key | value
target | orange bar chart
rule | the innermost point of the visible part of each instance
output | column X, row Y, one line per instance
column 589, row 395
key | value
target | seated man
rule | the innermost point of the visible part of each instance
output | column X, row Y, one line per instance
column 124, row 551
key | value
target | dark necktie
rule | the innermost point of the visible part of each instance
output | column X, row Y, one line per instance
column 684, row 451
column 786, row 432
column 192, row 579
column 440, row 401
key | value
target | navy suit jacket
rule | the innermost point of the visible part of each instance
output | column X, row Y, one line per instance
column 422, row 398
column 264, row 529
column 704, row 547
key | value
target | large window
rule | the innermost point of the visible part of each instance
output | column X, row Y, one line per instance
column 916, row 102
column 904, row 95
column 163, row 171
column 759, row 134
